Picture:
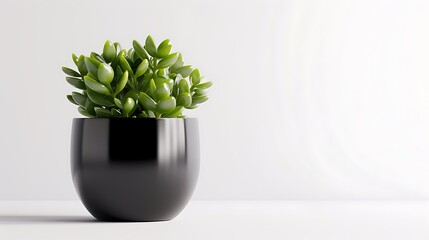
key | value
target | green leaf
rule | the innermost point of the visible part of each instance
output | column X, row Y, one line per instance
column 195, row 76
column 76, row 82
column 160, row 81
column 102, row 113
column 96, row 86
column 147, row 102
column 129, row 106
column 141, row 69
column 176, row 112
column 83, row 112
column 105, row 73
column 184, row 99
column 199, row 91
column 118, row 103
column 109, row 51
column 185, row 71
column 70, row 72
column 126, row 66
column 120, row 55
column 143, row 115
column 89, row 107
column 162, row 92
column 161, row 73
column 204, row 85
column 151, row 114
column 197, row 99
column 140, row 51
column 70, row 98
column 166, row 105
column 79, row 98
column 117, row 46
column 130, row 53
column 152, row 88
column 168, row 61
column 100, row 99
column 183, row 86
column 122, row 83
column 75, row 58
column 150, row 46
column 133, row 93
column 164, row 48
column 81, row 65
column 179, row 63
column 92, row 66
column 97, row 57
column 115, row 112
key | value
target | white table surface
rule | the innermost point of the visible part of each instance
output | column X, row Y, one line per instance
column 222, row 220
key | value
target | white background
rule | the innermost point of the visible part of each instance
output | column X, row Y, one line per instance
column 311, row 99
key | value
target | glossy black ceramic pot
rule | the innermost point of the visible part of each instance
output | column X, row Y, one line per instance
column 135, row 169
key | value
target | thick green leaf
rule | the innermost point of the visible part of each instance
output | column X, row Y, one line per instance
column 117, row 46
column 92, row 66
column 118, row 103
column 100, row 99
column 151, row 114
column 162, row 92
column 79, row 98
column 164, row 48
column 89, row 107
column 166, row 105
column 143, row 115
column 183, row 86
column 83, row 112
column 109, row 51
column 179, row 63
column 184, row 99
column 150, row 46
column 96, row 86
column 76, row 82
column 133, row 93
column 122, row 83
column 81, row 65
column 152, row 88
column 195, row 76
column 105, row 73
column 126, row 66
column 75, row 58
column 141, row 69
column 161, row 73
column 129, row 106
column 115, row 112
column 116, row 62
column 70, row 98
column 185, row 71
column 160, row 81
column 197, row 99
column 204, row 85
column 140, row 51
column 97, row 57
column 200, row 91
column 168, row 61
column 102, row 113
column 147, row 102
column 70, row 72
column 176, row 112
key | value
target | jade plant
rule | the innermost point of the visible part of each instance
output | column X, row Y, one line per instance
column 142, row 82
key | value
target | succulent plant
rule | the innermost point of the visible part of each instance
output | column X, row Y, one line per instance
column 143, row 82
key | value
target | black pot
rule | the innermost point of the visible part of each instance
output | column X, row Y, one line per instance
column 135, row 169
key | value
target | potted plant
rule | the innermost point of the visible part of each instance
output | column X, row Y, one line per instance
column 136, row 156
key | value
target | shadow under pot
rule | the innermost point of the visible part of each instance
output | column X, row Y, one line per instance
column 135, row 169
